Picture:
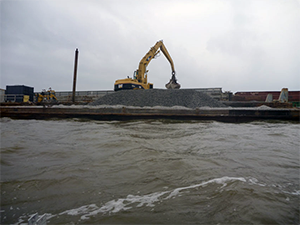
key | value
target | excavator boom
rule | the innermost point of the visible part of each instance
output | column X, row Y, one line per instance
column 141, row 73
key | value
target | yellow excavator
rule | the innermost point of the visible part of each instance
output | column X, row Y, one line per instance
column 46, row 96
column 139, row 80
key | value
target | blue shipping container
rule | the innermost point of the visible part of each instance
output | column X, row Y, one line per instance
column 20, row 89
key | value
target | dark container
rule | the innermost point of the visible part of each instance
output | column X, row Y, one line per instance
column 294, row 96
column 20, row 90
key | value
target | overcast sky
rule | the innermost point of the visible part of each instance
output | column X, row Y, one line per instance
column 239, row 45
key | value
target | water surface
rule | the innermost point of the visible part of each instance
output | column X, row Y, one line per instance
column 150, row 171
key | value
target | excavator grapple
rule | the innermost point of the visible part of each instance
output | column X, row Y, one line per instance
column 173, row 83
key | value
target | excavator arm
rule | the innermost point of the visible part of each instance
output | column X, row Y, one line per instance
column 141, row 72
column 139, row 80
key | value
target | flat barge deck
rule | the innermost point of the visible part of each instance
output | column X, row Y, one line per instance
column 129, row 113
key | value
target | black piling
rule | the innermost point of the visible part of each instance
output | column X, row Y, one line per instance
column 75, row 75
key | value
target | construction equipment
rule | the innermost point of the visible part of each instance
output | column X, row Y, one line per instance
column 173, row 83
column 139, row 80
column 46, row 96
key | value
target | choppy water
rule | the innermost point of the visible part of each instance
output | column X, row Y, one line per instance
column 150, row 171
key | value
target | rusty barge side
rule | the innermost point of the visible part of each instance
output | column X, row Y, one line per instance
column 127, row 113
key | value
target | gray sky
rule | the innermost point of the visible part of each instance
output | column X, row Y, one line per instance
column 238, row 45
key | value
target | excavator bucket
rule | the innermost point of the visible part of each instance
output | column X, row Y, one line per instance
column 172, row 83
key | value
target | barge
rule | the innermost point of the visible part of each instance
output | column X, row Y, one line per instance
column 128, row 113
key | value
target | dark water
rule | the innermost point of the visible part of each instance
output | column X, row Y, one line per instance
column 150, row 172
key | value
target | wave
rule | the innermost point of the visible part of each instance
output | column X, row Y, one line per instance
column 149, row 200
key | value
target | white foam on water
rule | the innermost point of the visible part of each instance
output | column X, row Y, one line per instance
column 294, row 192
column 255, row 181
column 221, row 180
column 24, row 218
column 115, row 206
column 130, row 201
column 80, row 210
column 149, row 200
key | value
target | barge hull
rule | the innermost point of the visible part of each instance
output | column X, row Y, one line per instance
column 129, row 113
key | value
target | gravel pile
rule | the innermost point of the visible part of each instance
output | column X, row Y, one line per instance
column 158, row 97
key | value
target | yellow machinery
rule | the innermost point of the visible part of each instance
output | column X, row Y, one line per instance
column 46, row 96
column 139, row 80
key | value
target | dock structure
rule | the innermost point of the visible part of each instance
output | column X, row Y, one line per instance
column 130, row 113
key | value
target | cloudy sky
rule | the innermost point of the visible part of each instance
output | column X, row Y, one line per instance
column 238, row 45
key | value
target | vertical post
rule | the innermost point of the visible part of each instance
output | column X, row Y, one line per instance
column 75, row 75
